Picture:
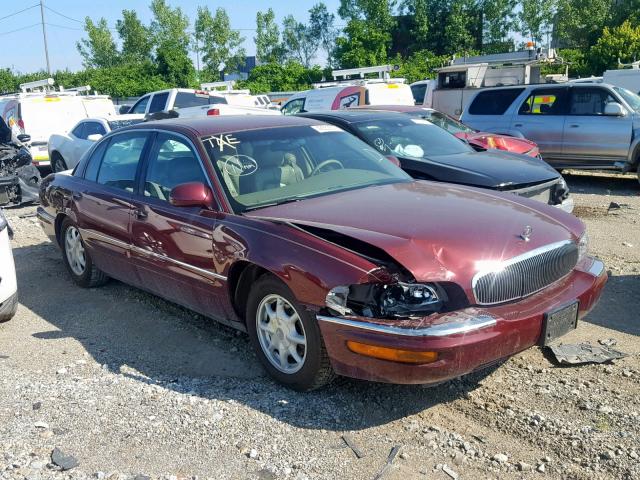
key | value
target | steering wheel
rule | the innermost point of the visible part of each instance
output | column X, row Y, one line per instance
column 330, row 161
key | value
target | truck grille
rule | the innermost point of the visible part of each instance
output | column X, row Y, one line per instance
column 526, row 274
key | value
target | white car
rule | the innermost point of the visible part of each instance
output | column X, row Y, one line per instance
column 8, row 284
column 65, row 150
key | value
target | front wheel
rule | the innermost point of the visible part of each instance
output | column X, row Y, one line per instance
column 57, row 163
column 286, row 337
column 77, row 260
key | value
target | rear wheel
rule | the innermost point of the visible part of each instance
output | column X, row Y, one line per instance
column 77, row 260
column 57, row 163
column 286, row 337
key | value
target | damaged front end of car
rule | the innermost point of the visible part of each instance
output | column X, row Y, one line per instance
column 19, row 178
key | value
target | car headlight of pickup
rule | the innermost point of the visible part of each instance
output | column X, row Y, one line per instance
column 583, row 246
column 393, row 300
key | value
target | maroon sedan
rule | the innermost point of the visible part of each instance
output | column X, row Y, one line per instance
column 331, row 257
column 478, row 140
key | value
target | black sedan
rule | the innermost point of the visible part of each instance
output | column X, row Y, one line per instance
column 428, row 152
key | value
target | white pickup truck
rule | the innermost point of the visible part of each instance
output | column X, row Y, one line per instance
column 195, row 103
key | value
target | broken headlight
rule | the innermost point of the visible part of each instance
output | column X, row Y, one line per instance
column 400, row 300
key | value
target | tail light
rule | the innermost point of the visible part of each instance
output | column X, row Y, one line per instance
column 21, row 124
column 213, row 111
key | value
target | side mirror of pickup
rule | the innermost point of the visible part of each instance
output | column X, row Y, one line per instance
column 614, row 109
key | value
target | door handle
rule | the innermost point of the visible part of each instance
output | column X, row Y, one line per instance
column 574, row 125
column 141, row 214
column 517, row 124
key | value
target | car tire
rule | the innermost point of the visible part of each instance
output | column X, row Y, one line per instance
column 8, row 308
column 57, row 163
column 270, row 327
column 77, row 260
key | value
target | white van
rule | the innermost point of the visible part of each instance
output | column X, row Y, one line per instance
column 628, row 78
column 352, row 92
column 42, row 113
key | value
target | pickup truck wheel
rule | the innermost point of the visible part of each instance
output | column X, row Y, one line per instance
column 286, row 337
column 77, row 260
column 57, row 163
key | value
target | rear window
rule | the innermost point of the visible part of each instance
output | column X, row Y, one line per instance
column 494, row 102
column 188, row 100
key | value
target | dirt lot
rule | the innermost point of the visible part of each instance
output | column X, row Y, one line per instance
column 132, row 386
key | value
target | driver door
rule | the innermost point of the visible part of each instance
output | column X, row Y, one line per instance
column 172, row 247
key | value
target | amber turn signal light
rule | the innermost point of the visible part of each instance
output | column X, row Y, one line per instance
column 392, row 354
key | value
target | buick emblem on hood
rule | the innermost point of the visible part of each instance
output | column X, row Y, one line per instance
column 526, row 233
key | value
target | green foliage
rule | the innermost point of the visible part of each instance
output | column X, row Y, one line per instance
column 535, row 18
column 419, row 66
column 137, row 42
column 218, row 43
column 298, row 41
column 275, row 77
column 621, row 43
column 267, row 39
column 321, row 27
column 99, row 49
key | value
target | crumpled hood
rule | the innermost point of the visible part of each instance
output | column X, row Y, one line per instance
column 491, row 169
column 438, row 232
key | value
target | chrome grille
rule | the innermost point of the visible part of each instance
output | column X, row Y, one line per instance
column 525, row 274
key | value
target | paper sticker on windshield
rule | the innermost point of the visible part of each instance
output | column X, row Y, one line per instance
column 240, row 165
column 326, row 128
column 222, row 141
column 421, row 121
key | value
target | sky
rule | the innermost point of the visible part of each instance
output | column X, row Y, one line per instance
column 23, row 50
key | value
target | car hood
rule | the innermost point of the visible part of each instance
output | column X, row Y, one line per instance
column 491, row 169
column 437, row 232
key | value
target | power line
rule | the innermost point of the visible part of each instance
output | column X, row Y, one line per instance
column 20, row 11
column 19, row 29
column 64, row 26
column 63, row 15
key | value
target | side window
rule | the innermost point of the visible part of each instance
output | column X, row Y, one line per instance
column 158, row 102
column 543, row 102
column 589, row 101
column 293, row 107
column 78, row 132
column 418, row 92
column 93, row 128
column 172, row 162
column 93, row 165
column 494, row 102
column 140, row 106
column 350, row 100
column 452, row 79
column 120, row 161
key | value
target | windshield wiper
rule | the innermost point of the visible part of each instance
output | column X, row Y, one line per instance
column 296, row 198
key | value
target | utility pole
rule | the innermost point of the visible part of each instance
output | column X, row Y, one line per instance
column 44, row 36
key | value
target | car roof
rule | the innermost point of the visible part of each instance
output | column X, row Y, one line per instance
column 202, row 126
column 395, row 108
column 354, row 115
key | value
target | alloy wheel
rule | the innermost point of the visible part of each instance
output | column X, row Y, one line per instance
column 75, row 251
column 281, row 334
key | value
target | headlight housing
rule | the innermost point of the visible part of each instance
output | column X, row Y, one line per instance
column 395, row 300
column 583, row 246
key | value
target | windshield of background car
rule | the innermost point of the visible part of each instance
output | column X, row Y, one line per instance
column 260, row 168
column 443, row 121
column 631, row 98
column 410, row 137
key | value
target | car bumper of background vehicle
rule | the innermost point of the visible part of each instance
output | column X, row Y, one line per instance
column 465, row 340
column 47, row 222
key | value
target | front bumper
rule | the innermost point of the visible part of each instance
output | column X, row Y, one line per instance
column 465, row 340
column 47, row 222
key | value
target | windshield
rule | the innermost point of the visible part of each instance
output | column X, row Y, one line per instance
column 116, row 124
column 631, row 98
column 259, row 168
column 443, row 121
column 410, row 137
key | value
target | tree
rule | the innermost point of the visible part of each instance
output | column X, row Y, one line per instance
column 298, row 41
column 616, row 44
column 98, row 50
column 535, row 17
column 367, row 36
column 461, row 28
column 579, row 23
column 276, row 77
column 268, row 47
column 218, row 43
column 321, row 27
column 137, row 42
column 169, row 29
column 497, row 21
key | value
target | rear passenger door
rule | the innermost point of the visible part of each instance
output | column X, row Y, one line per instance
column 591, row 138
column 173, row 246
column 540, row 118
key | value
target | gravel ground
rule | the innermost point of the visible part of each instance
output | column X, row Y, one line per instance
column 119, row 384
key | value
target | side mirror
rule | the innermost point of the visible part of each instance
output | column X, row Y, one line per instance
column 614, row 109
column 24, row 138
column 124, row 109
column 393, row 159
column 94, row 137
column 193, row 194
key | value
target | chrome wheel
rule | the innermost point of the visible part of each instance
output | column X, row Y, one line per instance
column 75, row 251
column 281, row 334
